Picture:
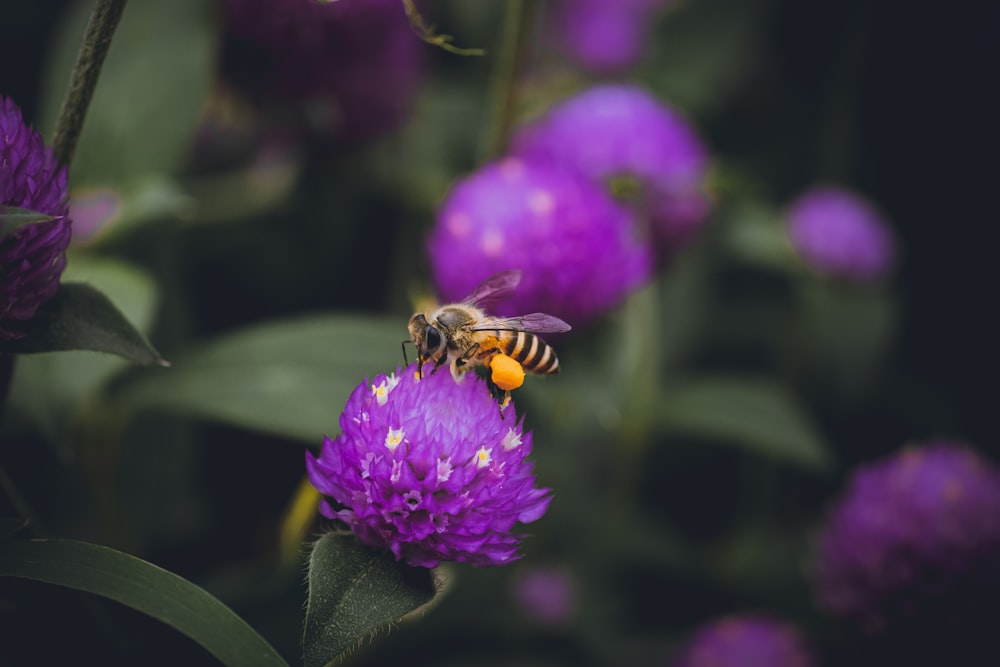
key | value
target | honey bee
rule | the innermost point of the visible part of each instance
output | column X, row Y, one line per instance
column 467, row 337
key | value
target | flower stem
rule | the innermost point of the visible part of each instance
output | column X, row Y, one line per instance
column 503, row 81
column 83, row 79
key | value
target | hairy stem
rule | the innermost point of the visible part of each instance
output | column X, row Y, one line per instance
column 83, row 79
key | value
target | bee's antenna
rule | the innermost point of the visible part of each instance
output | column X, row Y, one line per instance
column 406, row 362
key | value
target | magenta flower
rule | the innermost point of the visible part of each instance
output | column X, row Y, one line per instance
column 601, row 36
column 746, row 640
column 915, row 538
column 546, row 595
column 353, row 66
column 429, row 469
column 840, row 234
column 32, row 257
column 623, row 133
column 574, row 245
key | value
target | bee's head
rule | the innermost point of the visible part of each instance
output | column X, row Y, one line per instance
column 427, row 339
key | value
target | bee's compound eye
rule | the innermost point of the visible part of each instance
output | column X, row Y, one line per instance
column 433, row 338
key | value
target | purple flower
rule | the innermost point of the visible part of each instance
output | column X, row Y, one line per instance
column 603, row 36
column 915, row 536
column 746, row 640
column 837, row 233
column 574, row 245
column 31, row 256
column 622, row 133
column 430, row 470
column 545, row 594
column 353, row 66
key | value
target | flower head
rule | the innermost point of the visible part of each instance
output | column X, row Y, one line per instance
column 622, row 133
column 745, row 641
column 915, row 536
column 603, row 37
column 433, row 472
column 574, row 245
column 838, row 233
column 31, row 256
column 353, row 65
column 545, row 594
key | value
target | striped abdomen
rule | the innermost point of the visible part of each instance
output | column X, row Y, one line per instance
column 533, row 353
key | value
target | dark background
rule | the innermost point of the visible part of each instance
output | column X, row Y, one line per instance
column 910, row 92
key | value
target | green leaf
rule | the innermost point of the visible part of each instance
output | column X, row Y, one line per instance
column 49, row 390
column 12, row 217
column 290, row 378
column 756, row 414
column 151, row 92
column 354, row 592
column 80, row 317
column 144, row 587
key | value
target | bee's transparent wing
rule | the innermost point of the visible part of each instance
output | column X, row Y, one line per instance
column 494, row 290
column 535, row 323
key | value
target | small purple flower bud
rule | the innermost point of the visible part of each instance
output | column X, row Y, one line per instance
column 32, row 257
column 745, row 641
column 622, row 133
column 915, row 538
column 839, row 234
column 546, row 595
column 601, row 36
column 574, row 245
column 429, row 469
column 354, row 66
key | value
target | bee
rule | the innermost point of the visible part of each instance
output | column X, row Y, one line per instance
column 464, row 335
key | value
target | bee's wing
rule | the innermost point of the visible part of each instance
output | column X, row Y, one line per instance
column 535, row 323
column 494, row 290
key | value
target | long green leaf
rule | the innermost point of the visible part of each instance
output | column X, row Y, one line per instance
column 80, row 317
column 354, row 592
column 12, row 217
column 290, row 378
column 144, row 587
column 756, row 414
column 50, row 391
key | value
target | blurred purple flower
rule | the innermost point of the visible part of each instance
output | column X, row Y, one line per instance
column 574, row 245
column 353, row 66
column 746, row 640
column 838, row 233
column 915, row 536
column 32, row 257
column 430, row 470
column 611, row 132
column 545, row 594
column 603, row 36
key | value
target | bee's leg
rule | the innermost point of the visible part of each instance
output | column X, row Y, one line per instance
column 501, row 396
column 468, row 354
column 439, row 362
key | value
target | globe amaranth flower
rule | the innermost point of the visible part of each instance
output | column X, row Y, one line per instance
column 915, row 539
column 545, row 594
column 838, row 233
column 745, row 640
column 430, row 469
column 624, row 138
column 353, row 66
column 601, row 36
column 32, row 256
column 574, row 245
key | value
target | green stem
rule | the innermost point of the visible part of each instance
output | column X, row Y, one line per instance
column 83, row 79
column 502, row 94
